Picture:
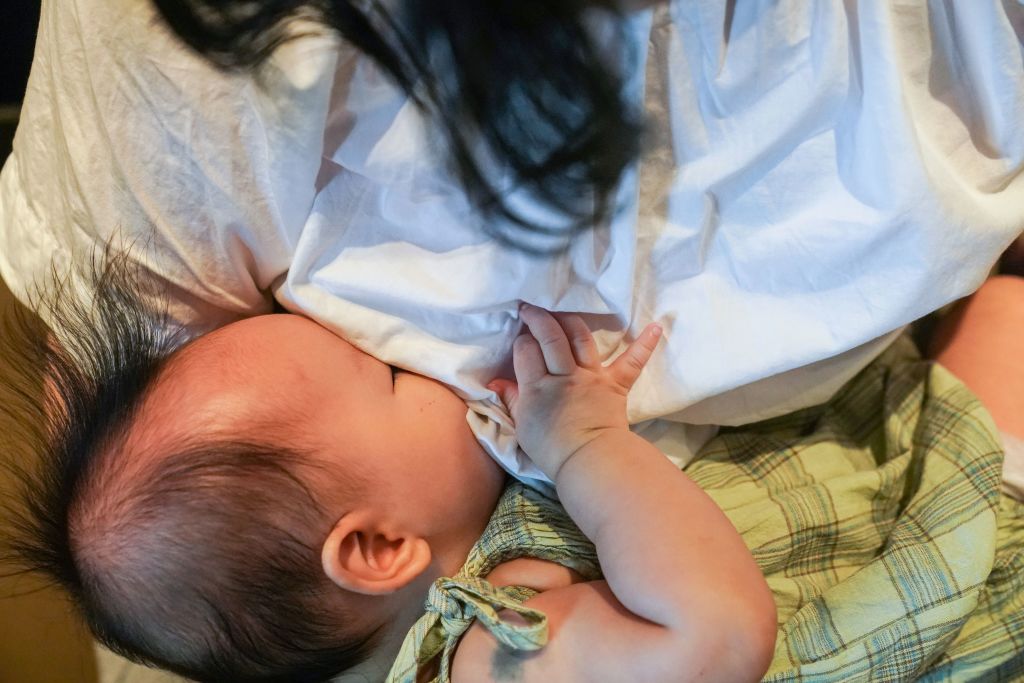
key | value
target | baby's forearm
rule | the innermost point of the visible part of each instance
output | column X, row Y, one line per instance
column 667, row 551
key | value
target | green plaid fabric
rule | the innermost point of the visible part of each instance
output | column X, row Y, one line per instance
column 878, row 522
column 524, row 524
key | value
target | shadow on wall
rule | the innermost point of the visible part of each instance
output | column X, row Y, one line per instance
column 8, row 122
column 17, row 40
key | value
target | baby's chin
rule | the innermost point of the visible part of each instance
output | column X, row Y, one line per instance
column 422, row 382
column 444, row 413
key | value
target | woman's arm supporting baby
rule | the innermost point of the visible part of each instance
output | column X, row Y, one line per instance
column 682, row 598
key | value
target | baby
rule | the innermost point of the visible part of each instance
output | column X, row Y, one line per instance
column 269, row 503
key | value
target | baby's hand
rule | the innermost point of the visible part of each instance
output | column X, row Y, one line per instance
column 564, row 397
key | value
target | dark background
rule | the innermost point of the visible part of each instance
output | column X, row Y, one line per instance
column 18, row 22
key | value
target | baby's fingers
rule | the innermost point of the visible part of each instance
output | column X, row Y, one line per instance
column 627, row 367
column 581, row 340
column 527, row 359
column 549, row 334
column 507, row 391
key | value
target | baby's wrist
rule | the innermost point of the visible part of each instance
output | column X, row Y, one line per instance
column 600, row 444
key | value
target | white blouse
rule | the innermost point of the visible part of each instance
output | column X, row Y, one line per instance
column 817, row 175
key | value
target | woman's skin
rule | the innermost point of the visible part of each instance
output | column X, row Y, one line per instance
column 980, row 343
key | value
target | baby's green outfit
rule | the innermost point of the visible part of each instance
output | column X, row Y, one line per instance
column 877, row 519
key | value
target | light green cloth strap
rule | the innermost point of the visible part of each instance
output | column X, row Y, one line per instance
column 525, row 523
column 452, row 606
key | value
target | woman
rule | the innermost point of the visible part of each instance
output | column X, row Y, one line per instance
column 812, row 179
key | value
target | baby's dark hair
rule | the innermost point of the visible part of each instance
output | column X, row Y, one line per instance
column 205, row 562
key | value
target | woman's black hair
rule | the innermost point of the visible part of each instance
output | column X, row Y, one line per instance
column 518, row 88
column 205, row 563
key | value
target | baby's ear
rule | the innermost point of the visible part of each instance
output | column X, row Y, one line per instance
column 360, row 557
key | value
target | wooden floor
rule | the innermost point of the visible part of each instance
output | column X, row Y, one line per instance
column 8, row 122
column 39, row 641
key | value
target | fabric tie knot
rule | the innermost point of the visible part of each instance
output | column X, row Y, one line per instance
column 458, row 602
column 452, row 605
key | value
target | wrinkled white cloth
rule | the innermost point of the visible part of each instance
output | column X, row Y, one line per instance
column 818, row 175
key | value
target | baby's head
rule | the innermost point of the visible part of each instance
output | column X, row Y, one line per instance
column 265, row 503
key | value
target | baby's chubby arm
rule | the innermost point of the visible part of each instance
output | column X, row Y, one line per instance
column 684, row 599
